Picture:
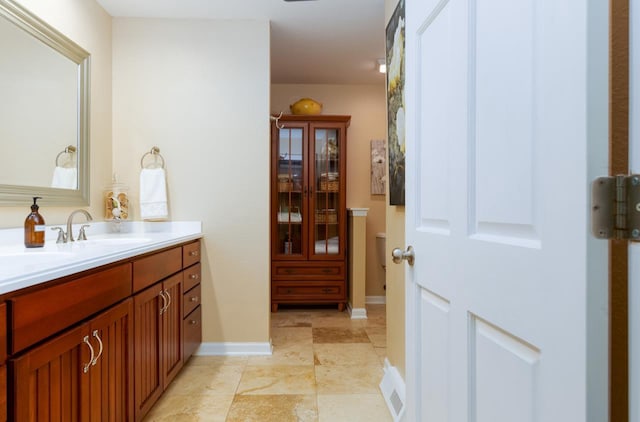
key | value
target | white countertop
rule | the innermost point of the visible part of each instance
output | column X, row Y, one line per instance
column 106, row 243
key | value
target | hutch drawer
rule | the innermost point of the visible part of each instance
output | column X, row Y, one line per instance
column 311, row 291
column 308, row 271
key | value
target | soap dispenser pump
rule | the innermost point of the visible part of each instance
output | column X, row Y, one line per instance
column 34, row 227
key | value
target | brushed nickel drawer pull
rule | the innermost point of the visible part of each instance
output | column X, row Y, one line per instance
column 168, row 300
column 194, row 276
column 193, row 253
column 193, row 299
column 85, row 367
column 164, row 302
column 95, row 360
column 193, row 322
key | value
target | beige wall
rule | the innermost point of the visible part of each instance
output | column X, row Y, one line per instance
column 199, row 90
column 87, row 24
column 395, row 273
column 366, row 106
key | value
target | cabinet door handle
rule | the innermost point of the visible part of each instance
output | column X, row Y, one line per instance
column 326, row 270
column 288, row 271
column 194, row 299
column 164, row 302
column 193, row 276
column 326, row 290
column 85, row 367
column 168, row 300
column 193, row 253
column 193, row 322
column 95, row 334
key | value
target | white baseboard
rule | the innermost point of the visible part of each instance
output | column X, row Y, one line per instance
column 357, row 313
column 234, row 349
column 393, row 390
column 375, row 300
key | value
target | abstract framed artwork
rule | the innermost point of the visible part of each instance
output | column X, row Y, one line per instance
column 395, row 104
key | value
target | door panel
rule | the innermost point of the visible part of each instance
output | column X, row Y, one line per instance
column 502, row 374
column 147, row 349
column 49, row 380
column 172, row 343
column 111, row 386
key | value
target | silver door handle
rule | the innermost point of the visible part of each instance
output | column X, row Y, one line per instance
column 398, row 255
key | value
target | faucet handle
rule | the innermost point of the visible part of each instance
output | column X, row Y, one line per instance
column 62, row 237
column 83, row 235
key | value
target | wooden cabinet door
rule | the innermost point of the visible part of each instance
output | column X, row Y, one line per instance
column 172, row 341
column 48, row 381
column 110, row 395
column 147, row 365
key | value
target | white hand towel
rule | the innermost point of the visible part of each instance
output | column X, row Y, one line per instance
column 64, row 178
column 153, row 194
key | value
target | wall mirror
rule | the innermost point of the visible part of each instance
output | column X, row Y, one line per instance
column 44, row 112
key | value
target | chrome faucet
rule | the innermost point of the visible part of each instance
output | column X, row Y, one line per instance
column 70, row 222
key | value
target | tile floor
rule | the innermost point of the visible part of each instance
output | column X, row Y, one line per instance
column 325, row 367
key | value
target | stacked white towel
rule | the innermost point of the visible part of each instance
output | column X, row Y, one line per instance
column 64, row 178
column 153, row 194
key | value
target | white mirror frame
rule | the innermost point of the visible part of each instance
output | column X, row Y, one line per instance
column 11, row 195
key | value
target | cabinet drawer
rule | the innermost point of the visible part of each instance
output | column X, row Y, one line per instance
column 190, row 254
column 191, row 300
column 192, row 277
column 308, row 271
column 37, row 315
column 3, row 334
column 153, row 268
column 320, row 291
column 192, row 332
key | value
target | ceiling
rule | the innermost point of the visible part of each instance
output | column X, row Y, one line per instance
column 312, row 42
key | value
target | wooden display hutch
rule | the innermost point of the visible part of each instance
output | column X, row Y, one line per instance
column 308, row 210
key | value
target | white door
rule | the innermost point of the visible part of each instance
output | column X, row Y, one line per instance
column 506, row 104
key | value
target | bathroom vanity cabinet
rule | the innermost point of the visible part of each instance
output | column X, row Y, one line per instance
column 308, row 210
column 99, row 345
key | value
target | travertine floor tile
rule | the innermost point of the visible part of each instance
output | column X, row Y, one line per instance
column 339, row 335
column 277, row 408
column 345, row 354
column 282, row 379
column 325, row 366
column 353, row 408
column 348, row 379
column 286, row 336
column 217, row 360
column 191, row 408
column 291, row 354
column 377, row 336
column 202, row 379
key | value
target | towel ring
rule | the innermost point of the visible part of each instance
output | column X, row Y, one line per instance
column 155, row 152
column 68, row 150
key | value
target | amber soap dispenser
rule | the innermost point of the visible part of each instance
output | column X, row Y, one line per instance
column 34, row 227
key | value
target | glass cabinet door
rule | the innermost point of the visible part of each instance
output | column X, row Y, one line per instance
column 289, row 188
column 326, row 202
